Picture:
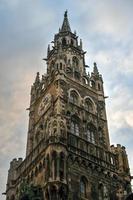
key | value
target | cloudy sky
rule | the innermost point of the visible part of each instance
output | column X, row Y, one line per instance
column 26, row 28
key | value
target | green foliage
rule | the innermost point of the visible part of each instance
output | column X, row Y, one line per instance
column 30, row 192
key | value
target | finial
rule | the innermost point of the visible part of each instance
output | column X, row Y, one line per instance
column 65, row 14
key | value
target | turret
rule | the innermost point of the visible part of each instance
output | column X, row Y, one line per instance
column 12, row 177
column 123, row 165
column 96, row 79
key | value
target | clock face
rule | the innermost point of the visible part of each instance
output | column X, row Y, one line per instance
column 44, row 104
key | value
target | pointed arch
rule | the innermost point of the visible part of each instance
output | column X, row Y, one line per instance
column 89, row 104
column 74, row 96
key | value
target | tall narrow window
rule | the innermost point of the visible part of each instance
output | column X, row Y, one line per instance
column 75, row 128
column 90, row 133
column 83, row 187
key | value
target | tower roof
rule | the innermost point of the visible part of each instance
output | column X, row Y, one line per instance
column 65, row 26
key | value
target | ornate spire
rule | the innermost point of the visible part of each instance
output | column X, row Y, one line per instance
column 65, row 26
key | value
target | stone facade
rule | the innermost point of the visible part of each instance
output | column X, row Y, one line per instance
column 68, row 152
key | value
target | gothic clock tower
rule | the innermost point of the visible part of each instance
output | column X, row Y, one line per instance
column 68, row 155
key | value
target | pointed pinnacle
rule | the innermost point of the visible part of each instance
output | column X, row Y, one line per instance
column 48, row 50
column 65, row 26
column 95, row 69
column 37, row 80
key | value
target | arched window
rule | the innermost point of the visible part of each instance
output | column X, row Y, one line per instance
column 90, row 133
column 83, row 185
column 73, row 97
column 75, row 128
column 89, row 105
